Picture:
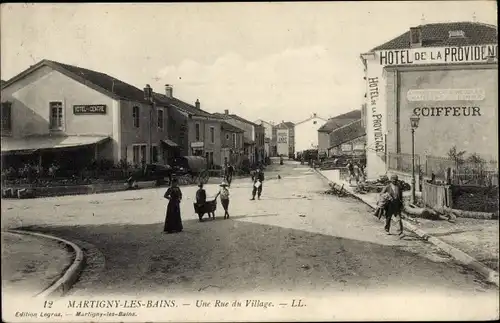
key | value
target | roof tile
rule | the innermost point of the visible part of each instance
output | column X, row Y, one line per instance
column 437, row 35
column 340, row 121
column 346, row 133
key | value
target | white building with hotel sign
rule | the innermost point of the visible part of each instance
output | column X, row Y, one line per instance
column 444, row 73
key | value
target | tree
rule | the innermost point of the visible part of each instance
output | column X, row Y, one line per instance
column 456, row 155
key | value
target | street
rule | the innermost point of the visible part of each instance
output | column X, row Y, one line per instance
column 295, row 239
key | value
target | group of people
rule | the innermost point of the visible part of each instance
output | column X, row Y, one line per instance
column 390, row 204
column 356, row 171
column 173, row 221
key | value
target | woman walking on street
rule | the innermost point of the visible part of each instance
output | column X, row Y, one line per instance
column 173, row 222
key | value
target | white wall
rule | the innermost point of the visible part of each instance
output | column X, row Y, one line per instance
column 306, row 134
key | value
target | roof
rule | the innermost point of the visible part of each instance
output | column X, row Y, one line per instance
column 99, row 81
column 340, row 121
column 236, row 117
column 347, row 133
column 436, row 35
column 286, row 125
column 48, row 142
column 310, row 118
column 229, row 127
column 181, row 105
column 109, row 85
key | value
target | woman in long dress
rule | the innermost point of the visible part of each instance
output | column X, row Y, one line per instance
column 173, row 222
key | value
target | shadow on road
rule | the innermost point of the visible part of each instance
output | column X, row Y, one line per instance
column 242, row 256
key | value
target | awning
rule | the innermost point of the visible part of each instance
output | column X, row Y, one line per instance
column 34, row 143
column 170, row 143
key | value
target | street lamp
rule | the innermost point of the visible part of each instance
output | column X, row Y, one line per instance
column 414, row 120
column 148, row 96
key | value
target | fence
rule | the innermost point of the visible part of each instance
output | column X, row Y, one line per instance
column 403, row 162
column 481, row 173
column 436, row 196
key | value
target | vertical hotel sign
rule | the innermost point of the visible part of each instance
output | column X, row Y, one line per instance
column 376, row 122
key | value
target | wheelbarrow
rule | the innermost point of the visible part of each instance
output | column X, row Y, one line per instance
column 209, row 207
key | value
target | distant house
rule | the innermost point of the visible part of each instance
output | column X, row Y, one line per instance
column 332, row 124
column 232, row 140
column 348, row 140
column 270, row 140
column 254, row 136
column 198, row 132
column 285, row 138
column 306, row 133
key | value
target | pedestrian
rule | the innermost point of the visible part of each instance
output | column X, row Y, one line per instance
column 224, row 198
column 395, row 205
column 230, row 171
column 201, row 199
column 356, row 172
column 350, row 170
column 258, row 179
column 173, row 222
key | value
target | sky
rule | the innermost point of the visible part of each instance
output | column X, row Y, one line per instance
column 272, row 61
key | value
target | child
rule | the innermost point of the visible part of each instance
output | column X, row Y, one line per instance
column 224, row 198
column 201, row 199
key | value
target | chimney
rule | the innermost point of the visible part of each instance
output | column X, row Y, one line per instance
column 314, row 115
column 197, row 104
column 415, row 37
column 226, row 112
column 169, row 91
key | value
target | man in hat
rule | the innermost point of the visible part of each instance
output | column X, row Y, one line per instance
column 224, row 198
column 258, row 179
column 395, row 205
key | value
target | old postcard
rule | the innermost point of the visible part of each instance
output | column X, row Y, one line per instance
column 236, row 162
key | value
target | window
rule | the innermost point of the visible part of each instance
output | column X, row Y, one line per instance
column 197, row 131
column 143, row 153
column 211, row 158
column 56, row 115
column 227, row 136
column 212, row 135
column 315, row 122
column 139, row 154
column 160, row 118
column 135, row 116
column 234, row 140
column 6, row 116
column 136, row 159
column 154, row 154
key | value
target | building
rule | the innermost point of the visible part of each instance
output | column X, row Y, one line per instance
column 198, row 132
column 306, row 133
column 253, row 136
column 232, row 144
column 334, row 123
column 348, row 141
column 270, row 140
column 59, row 112
column 444, row 73
column 285, row 139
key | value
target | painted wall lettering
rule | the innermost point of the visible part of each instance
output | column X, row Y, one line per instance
column 446, row 95
column 464, row 54
column 89, row 109
column 373, row 91
column 447, row 111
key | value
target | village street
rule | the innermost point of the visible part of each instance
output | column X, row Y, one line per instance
column 294, row 239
